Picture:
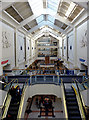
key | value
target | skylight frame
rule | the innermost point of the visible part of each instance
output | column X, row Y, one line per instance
column 53, row 5
column 40, row 19
column 51, row 20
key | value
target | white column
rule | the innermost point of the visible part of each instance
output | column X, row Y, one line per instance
column 16, row 47
column 88, row 39
column 1, row 49
column 75, row 48
column 1, row 69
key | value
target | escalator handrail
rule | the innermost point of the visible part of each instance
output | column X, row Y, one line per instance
column 22, row 100
column 76, row 81
column 84, row 81
column 4, row 103
column 64, row 100
column 80, row 99
column 7, row 93
column 13, row 80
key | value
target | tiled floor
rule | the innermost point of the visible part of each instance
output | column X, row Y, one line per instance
column 57, row 110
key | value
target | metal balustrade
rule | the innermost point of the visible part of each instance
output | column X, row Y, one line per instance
column 41, row 79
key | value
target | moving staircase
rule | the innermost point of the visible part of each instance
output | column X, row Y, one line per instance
column 13, row 109
column 72, row 105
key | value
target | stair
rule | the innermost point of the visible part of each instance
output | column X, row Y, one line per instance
column 13, row 110
column 72, row 105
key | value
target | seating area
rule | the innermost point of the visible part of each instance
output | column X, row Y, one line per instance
column 44, row 112
column 38, row 109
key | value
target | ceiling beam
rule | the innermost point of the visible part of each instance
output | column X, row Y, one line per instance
column 48, row 24
column 5, row 5
column 46, row 12
column 50, row 31
column 45, row 3
column 8, row 3
column 28, row 20
column 82, row 3
column 58, row 38
column 40, row 34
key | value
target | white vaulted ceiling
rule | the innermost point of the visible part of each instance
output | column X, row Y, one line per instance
column 33, row 15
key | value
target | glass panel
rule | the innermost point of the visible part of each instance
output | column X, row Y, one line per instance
column 40, row 19
column 53, row 4
column 51, row 19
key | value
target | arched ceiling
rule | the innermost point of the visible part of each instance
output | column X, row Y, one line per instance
column 47, row 31
column 34, row 15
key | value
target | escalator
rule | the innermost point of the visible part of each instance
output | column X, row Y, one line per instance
column 72, row 105
column 13, row 109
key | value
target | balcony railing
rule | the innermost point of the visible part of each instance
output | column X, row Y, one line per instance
column 48, row 55
column 41, row 79
column 46, row 45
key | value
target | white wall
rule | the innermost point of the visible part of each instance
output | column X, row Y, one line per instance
column 8, row 45
column 65, row 46
column 20, row 48
column 39, row 89
column 28, row 47
column 82, row 43
column 71, row 47
column 60, row 48
column 0, row 48
column 85, row 96
column 77, row 39
column 33, row 46
column 71, row 43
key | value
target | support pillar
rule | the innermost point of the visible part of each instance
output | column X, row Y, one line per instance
column 88, row 38
column 75, row 48
column 1, row 68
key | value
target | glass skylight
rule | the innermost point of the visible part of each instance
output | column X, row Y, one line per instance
column 40, row 19
column 51, row 19
column 53, row 5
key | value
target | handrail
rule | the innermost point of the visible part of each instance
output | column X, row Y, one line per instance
column 79, row 100
column 43, row 75
column 22, row 101
column 82, row 84
column 11, row 82
column 8, row 83
column 64, row 100
column 8, row 99
column 84, row 81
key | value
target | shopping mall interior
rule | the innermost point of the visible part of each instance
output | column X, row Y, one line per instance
column 44, row 59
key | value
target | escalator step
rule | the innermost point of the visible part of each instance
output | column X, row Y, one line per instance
column 71, row 99
column 12, row 112
column 74, row 112
column 13, row 108
column 69, row 91
column 73, row 107
column 70, row 94
column 14, row 104
column 72, row 103
column 75, row 118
